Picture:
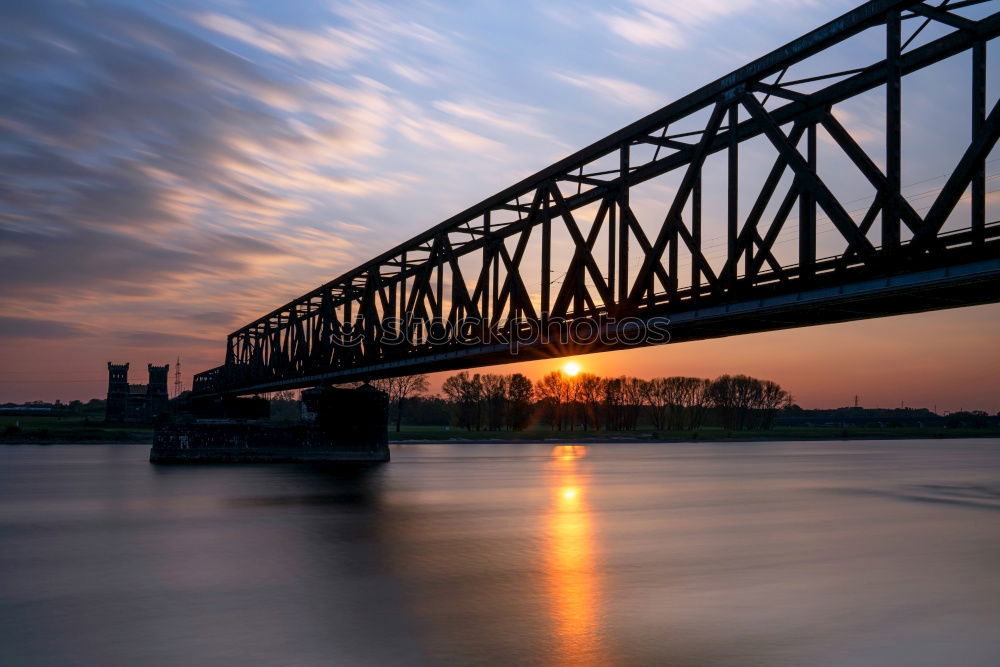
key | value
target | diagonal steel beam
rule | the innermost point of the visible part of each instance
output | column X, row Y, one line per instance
column 680, row 201
column 871, row 170
column 959, row 180
column 808, row 178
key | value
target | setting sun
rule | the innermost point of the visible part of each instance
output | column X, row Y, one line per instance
column 571, row 368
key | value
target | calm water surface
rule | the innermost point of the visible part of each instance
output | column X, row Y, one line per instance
column 862, row 553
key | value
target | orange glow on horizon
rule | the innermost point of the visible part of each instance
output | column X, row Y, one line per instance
column 952, row 365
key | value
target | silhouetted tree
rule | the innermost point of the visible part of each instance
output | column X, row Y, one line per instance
column 519, row 406
column 658, row 397
column 967, row 419
column 558, row 400
column 428, row 411
column 632, row 391
column 399, row 389
column 675, row 403
column 466, row 395
column 613, row 404
column 623, row 401
column 494, row 400
column 744, row 402
column 285, row 406
column 589, row 392
column 551, row 392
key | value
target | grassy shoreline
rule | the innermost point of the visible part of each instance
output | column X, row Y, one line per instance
column 53, row 430
column 712, row 435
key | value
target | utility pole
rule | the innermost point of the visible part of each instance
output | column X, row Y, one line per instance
column 178, row 383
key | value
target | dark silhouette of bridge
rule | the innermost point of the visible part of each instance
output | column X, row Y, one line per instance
column 564, row 252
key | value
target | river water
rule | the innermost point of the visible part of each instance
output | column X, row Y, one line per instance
column 838, row 553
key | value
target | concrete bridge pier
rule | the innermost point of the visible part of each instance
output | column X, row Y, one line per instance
column 346, row 426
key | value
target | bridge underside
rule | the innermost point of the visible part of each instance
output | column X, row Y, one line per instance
column 706, row 218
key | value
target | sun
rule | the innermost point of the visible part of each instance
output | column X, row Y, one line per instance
column 571, row 368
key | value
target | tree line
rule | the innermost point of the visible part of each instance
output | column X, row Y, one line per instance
column 495, row 402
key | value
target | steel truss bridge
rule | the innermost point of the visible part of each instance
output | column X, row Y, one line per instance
column 566, row 245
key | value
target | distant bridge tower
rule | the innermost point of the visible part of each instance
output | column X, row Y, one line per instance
column 115, row 408
column 156, row 391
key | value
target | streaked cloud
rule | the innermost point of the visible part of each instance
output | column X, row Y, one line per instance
column 667, row 23
column 411, row 73
column 615, row 92
column 647, row 28
column 330, row 46
column 35, row 328
column 496, row 114
column 350, row 227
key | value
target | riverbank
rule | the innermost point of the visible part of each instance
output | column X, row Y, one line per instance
column 52, row 430
column 700, row 435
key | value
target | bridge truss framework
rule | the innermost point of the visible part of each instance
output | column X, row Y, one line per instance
column 415, row 308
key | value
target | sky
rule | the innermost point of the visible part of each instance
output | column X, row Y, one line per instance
column 173, row 170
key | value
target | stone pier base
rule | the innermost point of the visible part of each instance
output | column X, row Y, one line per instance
column 344, row 426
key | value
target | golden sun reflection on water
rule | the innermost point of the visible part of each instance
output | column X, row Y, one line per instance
column 568, row 452
column 573, row 581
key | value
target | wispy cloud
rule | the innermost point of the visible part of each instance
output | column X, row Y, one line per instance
column 35, row 328
column 330, row 46
column 615, row 91
column 496, row 114
column 350, row 226
column 411, row 73
column 667, row 23
column 647, row 28
column 425, row 131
